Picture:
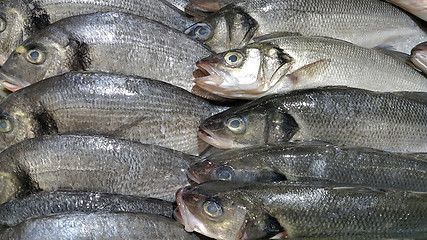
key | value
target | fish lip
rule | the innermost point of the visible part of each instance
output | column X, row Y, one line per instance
column 206, row 136
column 190, row 222
column 12, row 83
column 211, row 78
column 193, row 177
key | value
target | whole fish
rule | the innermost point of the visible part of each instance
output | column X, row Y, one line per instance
column 259, row 211
column 20, row 19
column 368, row 23
column 90, row 43
column 419, row 56
column 91, row 163
column 99, row 226
column 126, row 107
column 314, row 162
column 60, row 202
column 394, row 122
column 416, row 7
column 287, row 63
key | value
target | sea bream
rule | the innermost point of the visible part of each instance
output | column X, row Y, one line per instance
column 284, row 64
column 20, row 19
column 227, row 210
column 90, row 43
column 337, row 115
column 126, row 107
column 368, row 23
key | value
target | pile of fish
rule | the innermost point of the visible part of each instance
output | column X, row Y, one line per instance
column 223, row 119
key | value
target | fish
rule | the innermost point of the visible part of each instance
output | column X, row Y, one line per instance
column 210, row 5
column 394, row 122
column 305, row 162
column 416, row 7
column 127, row 107
column 91, row 163
column 20, row 19
column 228, row 210
column 365, row 22
column 89, row 43
column 419, row 56
column 284, row 64
column 60, row 202
column 99, row 226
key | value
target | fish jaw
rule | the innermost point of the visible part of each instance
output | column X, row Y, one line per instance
column 11, row 83
column 200, row 172
column 185, row 217
column 209, row 137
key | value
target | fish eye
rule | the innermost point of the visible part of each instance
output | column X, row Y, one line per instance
column 2, row 24
column 236, row 125
column 212, row 209
column 233, row 58
column 35, row 56
column 200, row 31
column 225, row 173
column 5, row 125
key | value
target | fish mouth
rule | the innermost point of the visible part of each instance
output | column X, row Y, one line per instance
column 207, row 76
column 194, row 180
column 11, row 83
column 183, row 215
column 207, row 136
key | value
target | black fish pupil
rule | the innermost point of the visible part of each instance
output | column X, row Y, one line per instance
column 224, row 175
column 34, row 55
column 235, row 124
column 212, row 208
column 233, row 58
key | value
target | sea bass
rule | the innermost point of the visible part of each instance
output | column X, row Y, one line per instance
column 91, row 163
column 90, row 43
column 20, row 19
column 368, row 23
column 60, row 202
column 283, row 210
column 284, row 64
column 342, row 116
column 314, row 162
column 126, row 107
column 99, row 226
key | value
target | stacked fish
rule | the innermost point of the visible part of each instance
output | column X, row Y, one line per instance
column 117, row 106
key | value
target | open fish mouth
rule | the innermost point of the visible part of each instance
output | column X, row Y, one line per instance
column 207, row 75
column 11, row 83
column 183, row 215
column 193, row 178
column 206, row 136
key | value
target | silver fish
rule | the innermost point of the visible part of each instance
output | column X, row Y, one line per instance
column 283, row 64
column 126, row 107
column 99, row 226
column 90, row 42
column 368, row 23
column 416, row 7
column 59, row 202
column 314, row 162
column 342, row 116
column 20, row 19
column 91, row 163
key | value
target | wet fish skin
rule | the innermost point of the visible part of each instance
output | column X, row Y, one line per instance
column 366, row 23
column 99, row 226
column 416, row 7
column 91, row 163
column 126, row 107
column 393, row 122
column 22, row 19
column 283, row 64
column 71, row 45
column 314, row 162
column 61, row 202
column 293, row 210
column 419, row 56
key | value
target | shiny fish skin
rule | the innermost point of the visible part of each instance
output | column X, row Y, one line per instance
column 24, row 18
column 419, row 56
column 368, row 23
column 283, row 64
column 343, row 116
column 60, row 202
column 99, row 226
column 91, row 163
column 318, row 162
column 90, row 42
column 126, row 107
column 302, row 210
column 416, row 7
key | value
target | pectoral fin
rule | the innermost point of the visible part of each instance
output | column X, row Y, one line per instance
column 308, row 72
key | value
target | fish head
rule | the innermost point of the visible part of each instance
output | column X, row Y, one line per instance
column 41, row 56
column 254, row 123
column 247, row 72
column 210, row 216
column 12, row 22
column 224, row 30
column 232, row 168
